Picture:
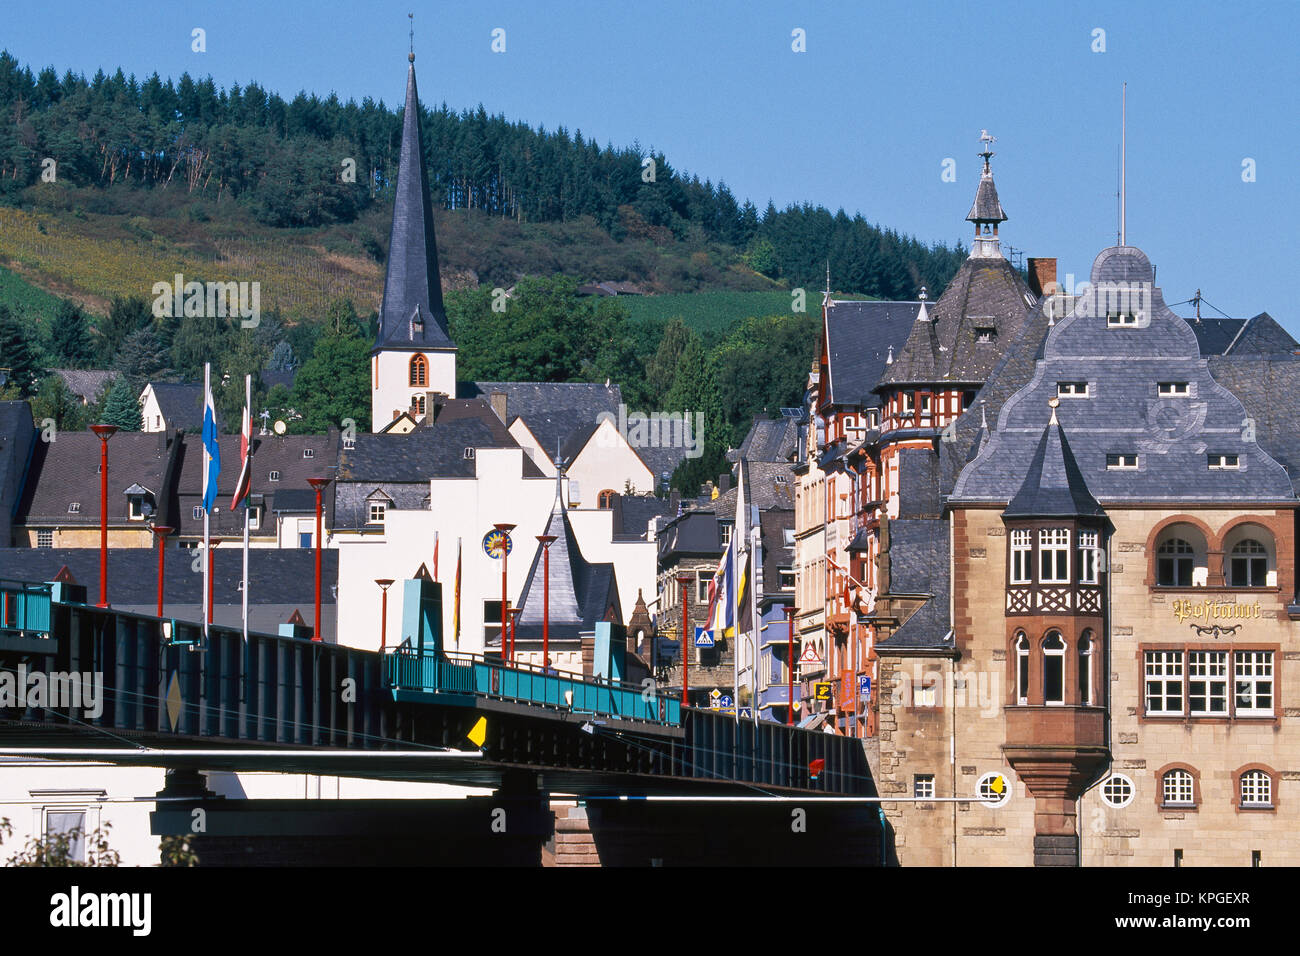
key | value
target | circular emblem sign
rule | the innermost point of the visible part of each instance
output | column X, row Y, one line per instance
column 497, row 544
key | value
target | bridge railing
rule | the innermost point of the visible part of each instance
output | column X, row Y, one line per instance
column 24, row 607
column 474, row 674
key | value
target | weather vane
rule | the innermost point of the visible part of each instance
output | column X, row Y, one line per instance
column 411, row 17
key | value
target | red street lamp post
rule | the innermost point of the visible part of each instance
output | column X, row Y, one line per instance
column 212, row 576
column 789, row 695
column 546, row 540
column 384, row 585
column 514, row 621
column 161, row 531
column 505, row 529
column 104, row 433
column 684, row 580
column 318, row 485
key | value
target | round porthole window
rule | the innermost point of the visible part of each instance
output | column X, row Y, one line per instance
column 994, row 789
column 1118, row 791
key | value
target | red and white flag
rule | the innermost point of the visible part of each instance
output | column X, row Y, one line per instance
column 245, row 460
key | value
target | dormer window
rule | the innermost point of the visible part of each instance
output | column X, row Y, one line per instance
column 309, row 453
column 377, row 511
column 139, row 503
column 1122, row 462
column 1225, row 463
column 1072, row 389
column 1121, row 320
column 275, row 476
column 469, row 454
column 1173, row 389
column 986, row 334
column 74, row 508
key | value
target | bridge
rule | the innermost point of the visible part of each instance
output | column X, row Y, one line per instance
column 172, row 698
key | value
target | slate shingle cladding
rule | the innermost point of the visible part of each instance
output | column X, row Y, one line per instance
column 860, row 337
column 411, row 281
column 1123, row 414
column 18, row 438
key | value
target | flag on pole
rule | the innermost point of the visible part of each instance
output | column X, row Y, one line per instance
column 455, row 608
column 245, row 446
column 211, row 450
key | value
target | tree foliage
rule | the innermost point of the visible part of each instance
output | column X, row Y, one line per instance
column 122, row 406
column 334, row 384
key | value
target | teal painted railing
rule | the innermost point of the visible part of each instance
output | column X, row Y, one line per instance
column 471, row 674
column 24, row 607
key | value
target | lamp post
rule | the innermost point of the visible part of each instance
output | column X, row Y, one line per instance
column 104, row 433
column 789, row 694
column 318, row 485
column 384, row 585
column 161, row 531
column 546, row 540
column 212, row 577
column 505, row 530
column 514, row 621
column 684, row 580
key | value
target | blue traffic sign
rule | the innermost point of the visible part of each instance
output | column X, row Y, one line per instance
column 745, row 712
column 726, row 700
column 864, row 686
column 703, row 637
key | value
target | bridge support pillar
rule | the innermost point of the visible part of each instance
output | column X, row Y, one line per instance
column 520, row 819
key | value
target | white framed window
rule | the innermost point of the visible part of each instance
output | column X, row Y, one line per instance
column 1174, row 561
column 993, row 789
column 923, row 786
column 254, row 517
column 1054, row 668
column 909, row 403
column 1178, row 789
column 74, row 508
column 702, row 581
column 1089, row 557
column 724, row 532
column 1022, row 668
column 135, row 507
column 1054, row 555
column 925, row 692
column 1225, row 462
column 197, row 512
column 1122, row 462
column 68, row 824
column 1253, row 678
column 1021, row 556
column 985, row 334
column 275, row 476
column 309, row 453
column 1207, row 683
column 1072, row 389
column 1121, row 320
column 349, row 444
column 1248, row 565
column 1172, row 389
column 1163, row 677
column 1118, row 791
column 1256, row 789
column 377, row 510
column 469, row 453
column 45, row 539
column 786, row 578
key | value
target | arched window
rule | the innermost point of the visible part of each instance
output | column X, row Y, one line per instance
column 419, row 371
column 1248, row 565
column 1178, row 789
column 1054, row 669
column 1174, row 561
column 1085, row 668
column 417, row 405
column 1022, row 668
column 1256, row 789
column 605, row 499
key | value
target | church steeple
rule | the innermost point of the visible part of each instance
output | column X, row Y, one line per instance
column 986, row 212
column 412, row 315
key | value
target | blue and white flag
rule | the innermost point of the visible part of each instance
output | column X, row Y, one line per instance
column 211, row 450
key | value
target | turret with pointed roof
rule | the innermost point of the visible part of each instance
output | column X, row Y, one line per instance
column 1054, row 486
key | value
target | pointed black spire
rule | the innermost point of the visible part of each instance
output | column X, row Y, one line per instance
column 1054, row 486
column 412, row 315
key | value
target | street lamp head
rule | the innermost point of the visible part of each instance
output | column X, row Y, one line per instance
column 162, row 531
column 384, row 583
column 105, row 432
column 685, row 578
column 547, row 540
column 318, row 483
column 504, row 527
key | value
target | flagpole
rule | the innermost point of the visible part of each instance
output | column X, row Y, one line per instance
column 753, row 619
column 207, row 540
column 248, row 450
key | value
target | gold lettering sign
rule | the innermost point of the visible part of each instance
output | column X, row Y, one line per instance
column 1210, row 610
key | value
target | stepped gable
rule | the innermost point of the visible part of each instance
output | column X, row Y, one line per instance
column 412, row 315
column 1122, row 413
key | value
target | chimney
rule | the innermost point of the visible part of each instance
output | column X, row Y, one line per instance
column 1042, row 276
column 498, row 400
column 724, row 483
column 674, row 500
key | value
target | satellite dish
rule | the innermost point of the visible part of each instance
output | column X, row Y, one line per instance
column 279, row 427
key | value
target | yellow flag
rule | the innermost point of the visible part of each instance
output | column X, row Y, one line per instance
column 997, row 784
column 479, row 732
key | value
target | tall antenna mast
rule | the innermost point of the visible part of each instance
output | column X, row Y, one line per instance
column 411, row 54
column 1123, row 167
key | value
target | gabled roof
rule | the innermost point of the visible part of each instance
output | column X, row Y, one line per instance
column 1262, row 335
column 769, row 439
column 86, row 383
column 986, row 207
column 181, row 405
column 436, row 451
column 553, row 411
column 580, row 593
column 860, row 336
column 986, row 293
column 1053, row 486
column 921, row 358
column 66, row 472
column 1266, row 386
column 412, row 285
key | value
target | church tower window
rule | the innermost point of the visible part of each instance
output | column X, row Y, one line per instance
column 419, row 372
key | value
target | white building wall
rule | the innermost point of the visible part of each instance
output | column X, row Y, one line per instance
column 607, row 461
column 391, row 377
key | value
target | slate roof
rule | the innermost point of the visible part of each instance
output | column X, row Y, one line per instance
column 633, row 514
column 918, row 564
column 412, row 285
column 773, row 525
column 86, row 383
column 1258, row 382
column 859, row 338
column 1262, row 335
column 66, row 471
column 986, row 207
column 181, row 404
column 1171, row 436
column 769, row 439
column 580, row 593
column 921, row 359
column 277, row 575
column 1054, row 486
column 1215, row 335
column 17, row 443
column 553, row 411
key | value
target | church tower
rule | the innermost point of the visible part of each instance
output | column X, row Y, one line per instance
column 414, row 356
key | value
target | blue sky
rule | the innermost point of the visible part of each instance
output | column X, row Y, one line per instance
column 863, row 120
